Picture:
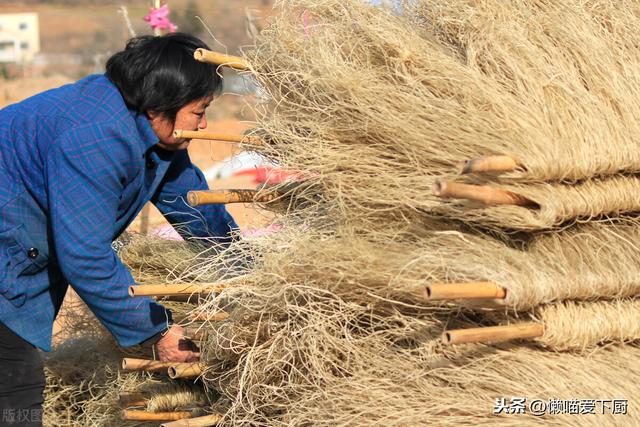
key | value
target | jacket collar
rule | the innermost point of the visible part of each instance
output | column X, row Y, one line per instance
column 149, row 137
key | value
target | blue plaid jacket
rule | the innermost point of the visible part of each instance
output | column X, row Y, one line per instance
column 76, row 167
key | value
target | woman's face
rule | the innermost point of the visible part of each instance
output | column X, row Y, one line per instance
column 190, row 117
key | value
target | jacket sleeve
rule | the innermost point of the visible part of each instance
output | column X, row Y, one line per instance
column 208, row 221
column 86, row 171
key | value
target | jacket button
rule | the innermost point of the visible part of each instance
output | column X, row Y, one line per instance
column 32, row 253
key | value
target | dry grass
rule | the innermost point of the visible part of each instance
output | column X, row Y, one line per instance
column 558, row 205
column 327, row 326
column 582, row 262
column 582, row 326
column 392, row 111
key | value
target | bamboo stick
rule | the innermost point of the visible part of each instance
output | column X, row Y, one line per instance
column 176, row 290
column 157, row 31
column 215, row 136
column 154, row 416
column 473, row 290
column 127, row 399
column 134, row 403
column 493, row 333
column 207, row 197
column 185, row 370
column 205, row 316
column 490, row 165
column 479, row 193
column 129, row 364
column 216, row 58
column 204, row 421
column 194, row 334
column 204, row 197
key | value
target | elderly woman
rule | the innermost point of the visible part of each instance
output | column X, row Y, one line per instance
column 77, row 164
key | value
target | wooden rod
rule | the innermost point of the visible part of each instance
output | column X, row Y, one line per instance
column 215, row 136
column 205, row 197
column 175, row 290
column 479, row 193
column 185, row 370
column 154, row 416
column 490, row 165
column 493, row 333
column 195, row 334
column 129, row 364
column 134, row 403
column 205, row 316
column 157, row 31
column 216, row 58
column 208, row 197
column 132, row 395
column 127, row 399
column 204, row 421
column 472, row 290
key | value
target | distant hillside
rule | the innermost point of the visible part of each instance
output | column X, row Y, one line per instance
column 70, row 2
column 102, row 2
column 90, row 27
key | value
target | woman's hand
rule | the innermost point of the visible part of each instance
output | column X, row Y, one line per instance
column 174, row 347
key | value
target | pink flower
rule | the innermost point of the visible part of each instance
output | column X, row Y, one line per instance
column 159, row 18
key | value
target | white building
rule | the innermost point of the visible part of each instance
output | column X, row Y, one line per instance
column 19, row 37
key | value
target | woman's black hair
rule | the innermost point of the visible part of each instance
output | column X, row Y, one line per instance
column 160, row 74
